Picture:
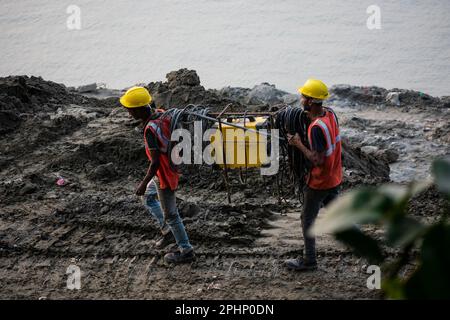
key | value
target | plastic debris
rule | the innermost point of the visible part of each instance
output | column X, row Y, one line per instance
column 61, row 181
column 394, row 98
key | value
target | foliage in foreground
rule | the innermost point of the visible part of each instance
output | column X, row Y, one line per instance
column 386, row 206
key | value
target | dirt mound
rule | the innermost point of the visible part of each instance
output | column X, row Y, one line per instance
column 372, row 95
column 183, row 87
column 25, row 93
column 104, row 159
column 442, row 133
column 353, row 94
column 69, row 167
column 430, row 203
column 182, row 77
column 85, row 137
column 363, row 168
column 263, row 95
column 28, row 101
column 9, row 121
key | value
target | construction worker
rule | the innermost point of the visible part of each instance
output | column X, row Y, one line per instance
column 325, row 176
column 137, row 101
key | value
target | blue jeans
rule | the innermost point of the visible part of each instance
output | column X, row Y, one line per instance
column 154, row 206
column 169, row 215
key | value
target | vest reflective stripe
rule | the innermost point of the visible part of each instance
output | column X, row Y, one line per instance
column 331, row 146
column 329, row 174
column 157, row 130
column 167, row 175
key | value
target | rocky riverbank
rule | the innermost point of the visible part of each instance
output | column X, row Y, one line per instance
column 70, row 162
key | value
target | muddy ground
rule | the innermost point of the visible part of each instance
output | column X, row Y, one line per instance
column 95, row 221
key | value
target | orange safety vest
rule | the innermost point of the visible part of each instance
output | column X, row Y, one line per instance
column 168, row 177
column 329, row 175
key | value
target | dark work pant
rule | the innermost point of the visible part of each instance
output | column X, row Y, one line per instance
column 314, row 199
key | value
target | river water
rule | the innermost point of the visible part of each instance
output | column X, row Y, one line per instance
column 230, row 42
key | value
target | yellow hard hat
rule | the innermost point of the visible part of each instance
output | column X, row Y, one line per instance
column 315, row 89
column 136, row 97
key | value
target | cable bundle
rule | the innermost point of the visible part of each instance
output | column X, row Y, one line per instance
column 290, row 120
column 294, row 120
column 184, row 119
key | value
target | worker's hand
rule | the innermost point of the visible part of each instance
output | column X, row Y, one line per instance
column 141, row 189
column 294, row 140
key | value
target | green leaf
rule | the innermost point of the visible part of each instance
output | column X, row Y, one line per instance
column 393, row 288
column 362, row 244
column 419, row 186
column 400, row 195
column 355, row 207
column 366, row 205
column 432, row 278
column 403, row 231
column 441, row 172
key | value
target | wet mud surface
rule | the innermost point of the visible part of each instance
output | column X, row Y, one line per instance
column 93, row 219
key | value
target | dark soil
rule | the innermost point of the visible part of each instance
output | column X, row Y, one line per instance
column 95, row 221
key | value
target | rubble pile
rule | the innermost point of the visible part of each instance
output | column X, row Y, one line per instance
column 183, row 87
column 70, row 164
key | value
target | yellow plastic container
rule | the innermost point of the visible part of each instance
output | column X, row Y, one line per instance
column 242, row 148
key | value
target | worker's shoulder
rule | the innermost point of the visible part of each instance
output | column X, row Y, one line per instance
column 154, row 117
column 329, row 109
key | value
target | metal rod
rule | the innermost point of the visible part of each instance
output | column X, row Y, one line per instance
column 224, row 158
column 232, row 124
column 242, row 113
column 245, row 148
column 224, row 109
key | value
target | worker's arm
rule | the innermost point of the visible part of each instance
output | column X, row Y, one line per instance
column 316, row 158
column 152, row 146
column 151, row 172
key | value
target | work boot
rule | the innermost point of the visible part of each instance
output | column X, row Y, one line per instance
column 180, row 256
column 164, row 240
column 300, row 264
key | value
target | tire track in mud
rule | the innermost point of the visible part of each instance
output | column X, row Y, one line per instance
column 223, row 268
column 96, row 222
column 86, row 232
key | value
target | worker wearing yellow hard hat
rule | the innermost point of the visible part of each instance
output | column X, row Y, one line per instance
column 315, row 89
column 136, row 97
column 324, row 153
column 138, row 102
